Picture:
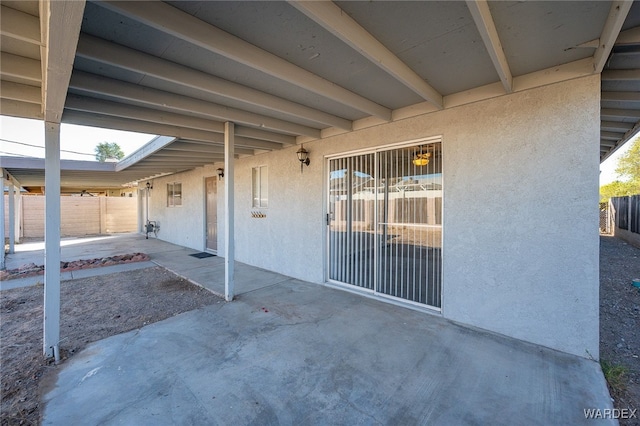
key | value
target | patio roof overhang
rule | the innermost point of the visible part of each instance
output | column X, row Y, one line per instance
column 293, row 72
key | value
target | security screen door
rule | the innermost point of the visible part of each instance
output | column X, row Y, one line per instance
column 211, row 184
column 385, row 222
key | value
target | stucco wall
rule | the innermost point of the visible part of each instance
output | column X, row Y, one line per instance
column 182, row 225
column 185, row 225
column 520, row 178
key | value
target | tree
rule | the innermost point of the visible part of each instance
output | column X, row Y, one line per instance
column 108, row 151
column 616, row 189
column 629, row 164
column 629, row 168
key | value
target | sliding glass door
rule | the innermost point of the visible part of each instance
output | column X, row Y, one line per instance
column 385, row 222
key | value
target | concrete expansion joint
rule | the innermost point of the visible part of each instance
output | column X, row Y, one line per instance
column 316, row 322
column 264, row 287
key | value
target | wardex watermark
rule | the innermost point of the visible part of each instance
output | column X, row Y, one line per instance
column 610, row 413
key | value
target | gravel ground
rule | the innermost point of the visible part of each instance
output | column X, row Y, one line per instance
column 620, row 319
column 91, row 309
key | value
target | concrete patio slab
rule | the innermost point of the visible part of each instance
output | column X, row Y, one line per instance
column 86, row 248
column 300, row 353
column 72, row 275
column 207, row 272
column 290, row 352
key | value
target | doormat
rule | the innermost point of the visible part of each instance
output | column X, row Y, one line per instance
column 202, row 255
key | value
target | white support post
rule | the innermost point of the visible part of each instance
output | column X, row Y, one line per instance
column 52, row 240
column 12, row 218
column 2, row 264
column 229, row 247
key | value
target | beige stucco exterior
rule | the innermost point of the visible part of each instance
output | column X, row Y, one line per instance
column 520, row 245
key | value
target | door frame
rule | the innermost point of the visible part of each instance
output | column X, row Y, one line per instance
column 206, row 217
column 326, row 251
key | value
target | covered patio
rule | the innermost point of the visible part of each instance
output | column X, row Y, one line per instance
column 206, row 272
column 525, row 98
column 292, row 352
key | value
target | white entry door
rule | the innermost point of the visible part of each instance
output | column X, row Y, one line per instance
column 212, row 213
column 385, row 222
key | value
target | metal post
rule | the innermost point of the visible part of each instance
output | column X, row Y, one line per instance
column 12, row 218
column 52, row 239
column 146, row 226
column 2, row 264
column 229, row 249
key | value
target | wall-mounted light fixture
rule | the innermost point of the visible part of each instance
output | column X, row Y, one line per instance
column 303, row 157
column 147, row 227
column 220, row 173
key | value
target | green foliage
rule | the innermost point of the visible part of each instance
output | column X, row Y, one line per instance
column 629, row 164
column 615, row 374
column 108, row 151
column 628, row 168
column 617, row 189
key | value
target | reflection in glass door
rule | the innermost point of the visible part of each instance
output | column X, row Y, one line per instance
column 410, row 223
column 385, row 222
column 351, row 220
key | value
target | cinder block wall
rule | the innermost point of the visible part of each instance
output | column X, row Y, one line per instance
column 82, row 215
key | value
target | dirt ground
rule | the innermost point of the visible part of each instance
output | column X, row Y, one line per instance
column 99, row 307
column 620, row 319
column 91, row 309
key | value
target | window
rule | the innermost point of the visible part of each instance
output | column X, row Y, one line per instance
column 174, row 194
column 259, row 187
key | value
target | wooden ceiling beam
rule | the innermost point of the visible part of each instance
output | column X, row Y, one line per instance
column 328, row 15
column 170, row 20
column 130, row 92
column 610, row 31
column 63, row 29
column 93, row 105
column 486, row 27
column 130, row 125
column 103, row 51
column 19, row 25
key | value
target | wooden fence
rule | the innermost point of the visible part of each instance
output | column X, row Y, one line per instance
column 625, row 212
column 79, row 216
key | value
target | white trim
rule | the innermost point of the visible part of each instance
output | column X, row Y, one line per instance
column 253, row 189
column 429, row 139
column 385, row 298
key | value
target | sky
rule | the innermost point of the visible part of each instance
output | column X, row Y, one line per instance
column 76, row 142
column 608, row 167
column 79, row 142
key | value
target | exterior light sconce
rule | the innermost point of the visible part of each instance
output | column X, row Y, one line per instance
column 303, row 157
column 220, row 173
